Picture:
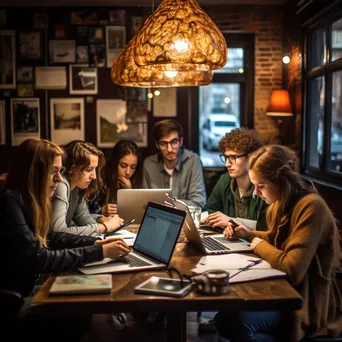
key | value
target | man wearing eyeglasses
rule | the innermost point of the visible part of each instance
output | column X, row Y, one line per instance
column 174, row 166
column 232, row 196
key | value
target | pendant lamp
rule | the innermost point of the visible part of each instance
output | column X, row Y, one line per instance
column 180, row 36
column 126, row 73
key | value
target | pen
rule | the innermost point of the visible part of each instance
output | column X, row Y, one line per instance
column 253, row 263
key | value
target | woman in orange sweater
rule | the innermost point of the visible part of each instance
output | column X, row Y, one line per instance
column 302, row 240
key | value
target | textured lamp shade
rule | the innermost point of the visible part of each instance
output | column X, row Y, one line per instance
column 280, row 104
column 126, row 73
column 180, row 36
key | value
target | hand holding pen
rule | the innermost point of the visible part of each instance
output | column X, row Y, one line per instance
column 121, row 227
column 253, row 263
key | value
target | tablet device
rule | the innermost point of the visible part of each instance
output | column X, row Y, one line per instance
column 164, row 287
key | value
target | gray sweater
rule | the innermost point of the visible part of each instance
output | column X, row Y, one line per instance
column 70, row 215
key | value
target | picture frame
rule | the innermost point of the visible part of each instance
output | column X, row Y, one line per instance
column 2, row 122
column 82, row 54
column 7, row 59
column 25, row 89
column 115, row 42
column 112, row 125
column 117, row 18
column 66, row 119
column 96, row 34
column 24, row 74
column 54, row 77
column 83, row 79
column 136, row 23
column 40, row 20
column 30, row 45
column 25, row 119
column 165, row 105
column 86, row 17
column 62, row 51
column 97, row 55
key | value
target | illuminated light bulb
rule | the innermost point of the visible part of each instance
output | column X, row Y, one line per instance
column 181, row 45
column 286, row 59
column 157, row 92
column 150, row 95
column 171, row 74
column 241, row 70
column 227, row 99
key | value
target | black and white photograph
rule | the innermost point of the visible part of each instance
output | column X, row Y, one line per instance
column 7, row 60
column 115, row 42
column 97, row 55
column 2, row 123
column 96, row 34
column 25, row 119
column 82, row 54
column 62, row 51
column 117, row 18
column 24, row 74
column 40, row 20
column 30, row 45
column 136, row 23
column 83, row 79
column 66, row 119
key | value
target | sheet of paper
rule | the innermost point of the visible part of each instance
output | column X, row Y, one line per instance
column 204, row 215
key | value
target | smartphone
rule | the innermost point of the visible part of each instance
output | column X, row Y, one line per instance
column 126, row 224
column 234, row 223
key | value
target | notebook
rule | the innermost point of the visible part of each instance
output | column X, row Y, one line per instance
column 212, row 244
column 153, row 246
column 132, row 202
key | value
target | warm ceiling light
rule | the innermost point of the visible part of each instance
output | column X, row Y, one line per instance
column 280, row 104
column 286, row 59
column 180, row 36
column 126, row 73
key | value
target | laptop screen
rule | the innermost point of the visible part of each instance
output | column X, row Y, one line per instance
column 159, row 231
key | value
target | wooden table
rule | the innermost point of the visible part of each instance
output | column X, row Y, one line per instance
column 265, row 295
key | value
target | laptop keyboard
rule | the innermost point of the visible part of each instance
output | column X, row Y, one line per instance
column 212, row 245
column 133, row 261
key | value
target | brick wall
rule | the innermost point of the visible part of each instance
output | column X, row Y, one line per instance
column 267, row 23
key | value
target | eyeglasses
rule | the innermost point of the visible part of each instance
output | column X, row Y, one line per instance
column 164, row 144
column 232, row 158
column 61, row 171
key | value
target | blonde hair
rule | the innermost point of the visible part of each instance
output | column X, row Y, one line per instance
column 30, row 174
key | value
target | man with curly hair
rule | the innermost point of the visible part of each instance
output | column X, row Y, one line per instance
column 232, row 196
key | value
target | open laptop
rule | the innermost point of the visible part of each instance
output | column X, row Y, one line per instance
column 153, row 246
column 132, row 202
column 212, row 244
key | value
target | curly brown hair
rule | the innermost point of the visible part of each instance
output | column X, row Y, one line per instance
column 240, row 139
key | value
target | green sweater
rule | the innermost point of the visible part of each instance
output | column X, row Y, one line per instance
column 222, row 199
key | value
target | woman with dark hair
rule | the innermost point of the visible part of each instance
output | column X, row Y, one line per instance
column 123, row 170
column 30, row 248
column 83, row 165
column 302, row 240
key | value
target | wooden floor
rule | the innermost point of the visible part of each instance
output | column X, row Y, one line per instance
column 103, row 330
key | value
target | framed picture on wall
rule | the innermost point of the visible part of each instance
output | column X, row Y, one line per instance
column 2, row 123
column 83, row 79
column 112, row 125
column 115, row 42
column 25, row 119
column 136, row 23
column 30, row 45
column 25, row 74
column 40, row 20
column 62, row 51
column 117, row 17
column 66, row 119
column 7, row 60
column 166, row 103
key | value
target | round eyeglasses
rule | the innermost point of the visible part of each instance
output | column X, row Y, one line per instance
column 164, row 144
column 61, row 171
column 231, row 158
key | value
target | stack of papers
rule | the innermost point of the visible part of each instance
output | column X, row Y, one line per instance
column 233, row 263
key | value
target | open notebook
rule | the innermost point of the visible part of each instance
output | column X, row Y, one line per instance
column 153, row 246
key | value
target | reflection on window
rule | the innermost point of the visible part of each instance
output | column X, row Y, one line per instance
column 335, row 162
column 316, row 121
column 336, row 40
column 318, row 49
column 234, row 64
column 219, row 113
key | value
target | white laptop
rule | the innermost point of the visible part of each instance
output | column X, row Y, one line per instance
column 212, row 244
column 153, row 246
column 132, row 202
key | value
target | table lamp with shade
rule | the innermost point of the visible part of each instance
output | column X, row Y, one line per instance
column 280, row 106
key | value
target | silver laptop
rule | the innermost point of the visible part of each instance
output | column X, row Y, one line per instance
column 132, row 202
column 212, row 244
column 153, row 246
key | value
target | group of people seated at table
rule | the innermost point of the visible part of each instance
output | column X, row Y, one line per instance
column 58, row 200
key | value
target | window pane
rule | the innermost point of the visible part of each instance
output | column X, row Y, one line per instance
column 316, row 121
column 335, row 162
column 318, row 49
column 219, row 113
column 336, row 40
column 234, row 63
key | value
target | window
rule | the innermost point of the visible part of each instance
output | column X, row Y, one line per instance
column 323, row 130
column 228, row 102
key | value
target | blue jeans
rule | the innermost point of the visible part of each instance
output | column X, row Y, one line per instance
column 266, row 326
